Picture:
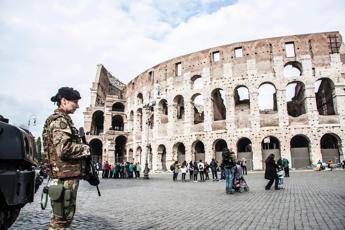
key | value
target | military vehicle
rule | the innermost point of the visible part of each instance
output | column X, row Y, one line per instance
column 18, row 178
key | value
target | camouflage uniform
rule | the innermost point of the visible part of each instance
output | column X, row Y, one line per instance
column 65, row 154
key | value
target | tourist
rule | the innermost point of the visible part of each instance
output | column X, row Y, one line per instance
column 214, row 167
column 184, row 171
column 195, row 171
column 285, row 163
column 271, row 172
column 190, row 169
column 244, row 166
column 206, row 171
column 228, row 164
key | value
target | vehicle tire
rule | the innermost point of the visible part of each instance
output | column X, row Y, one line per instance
column 7, row 216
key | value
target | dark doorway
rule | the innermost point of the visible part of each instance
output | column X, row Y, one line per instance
column 162, row 153
column 120, row 149
column 300, row 157
column 199, row 150
column 244, row 150
column 219, row 146
column 330, row 144
column 97, row 123
column 96, row 150
column 270, row 145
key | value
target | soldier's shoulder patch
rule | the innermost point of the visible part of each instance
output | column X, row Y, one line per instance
column 63, row 125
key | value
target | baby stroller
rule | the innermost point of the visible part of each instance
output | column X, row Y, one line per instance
column 240, row 183
column 280, row 178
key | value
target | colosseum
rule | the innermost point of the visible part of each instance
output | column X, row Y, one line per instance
column 282, row 95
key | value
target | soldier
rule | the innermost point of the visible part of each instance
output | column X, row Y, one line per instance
column 65, row 154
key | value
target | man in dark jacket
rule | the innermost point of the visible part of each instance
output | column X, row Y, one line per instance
column 214, row 166
column 271, row 172
column 228, row 164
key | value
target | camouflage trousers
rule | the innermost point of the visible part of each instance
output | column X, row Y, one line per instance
column 63, row 207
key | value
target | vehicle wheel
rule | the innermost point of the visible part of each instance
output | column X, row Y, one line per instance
column 8, row 216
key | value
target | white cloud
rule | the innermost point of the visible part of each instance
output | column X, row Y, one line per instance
column 49, row 44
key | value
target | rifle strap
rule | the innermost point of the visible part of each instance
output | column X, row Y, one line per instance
column 44, row 195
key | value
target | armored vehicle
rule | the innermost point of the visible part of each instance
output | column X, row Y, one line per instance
column 18, row 178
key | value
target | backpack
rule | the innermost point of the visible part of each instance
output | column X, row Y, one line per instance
column 201, row 168
column 172, row 167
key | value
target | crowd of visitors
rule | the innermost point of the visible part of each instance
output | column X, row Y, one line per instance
column 121, row 170
column 200, row 172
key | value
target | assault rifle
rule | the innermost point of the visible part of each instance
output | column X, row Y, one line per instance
column 91, row 174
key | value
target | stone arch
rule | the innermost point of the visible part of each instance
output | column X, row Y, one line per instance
column 117, row 123
column 244, row 150
column 179, row 107
column 120, row 148
column 197, row 101
column 218, row 104
column 179, row 150
column 118, row 107
column 330, row 144
column 300, row 151
column 131, row 120
column 163, row 111
column 97, row 122
column 219, row 145
column 96, row 149
column 140, row 98
column 292, row 69
column 267, row 97
column 295, row 98
column 138, row 153
column 162, row 154
column 270, row 145
column 199, row 150
column 130, row 155
column 197, row 82
column 242, row 106
column 325, row 96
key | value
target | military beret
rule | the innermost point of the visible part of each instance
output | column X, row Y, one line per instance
column 66, row 92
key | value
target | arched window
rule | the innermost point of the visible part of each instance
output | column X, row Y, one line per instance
column 295, row 98
column 292, row 69
column 267, row 97
column 118, row 107
column 325, row 96
column 218, row 102
column 198, row 108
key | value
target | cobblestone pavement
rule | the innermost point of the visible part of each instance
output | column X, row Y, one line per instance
column 310, row 200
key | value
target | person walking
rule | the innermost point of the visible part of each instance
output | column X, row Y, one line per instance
column 201, row 168
column 244, row 165
column 65, row 155
column 190, row 169
column 175, row 170
column 214, row 167
column 195, row 172
column 285, row 163
column 138, row 169
column 271, row 172
column 228, row 165
column 184, row 171
column 207, row 170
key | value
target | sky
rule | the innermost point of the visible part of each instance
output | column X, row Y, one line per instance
column 49, row 44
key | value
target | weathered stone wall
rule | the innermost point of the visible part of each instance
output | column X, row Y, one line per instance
column 261, row 61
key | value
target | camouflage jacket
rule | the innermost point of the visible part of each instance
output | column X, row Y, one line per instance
column 62, row 146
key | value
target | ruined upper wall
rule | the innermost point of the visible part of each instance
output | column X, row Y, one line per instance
column 318, row 46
